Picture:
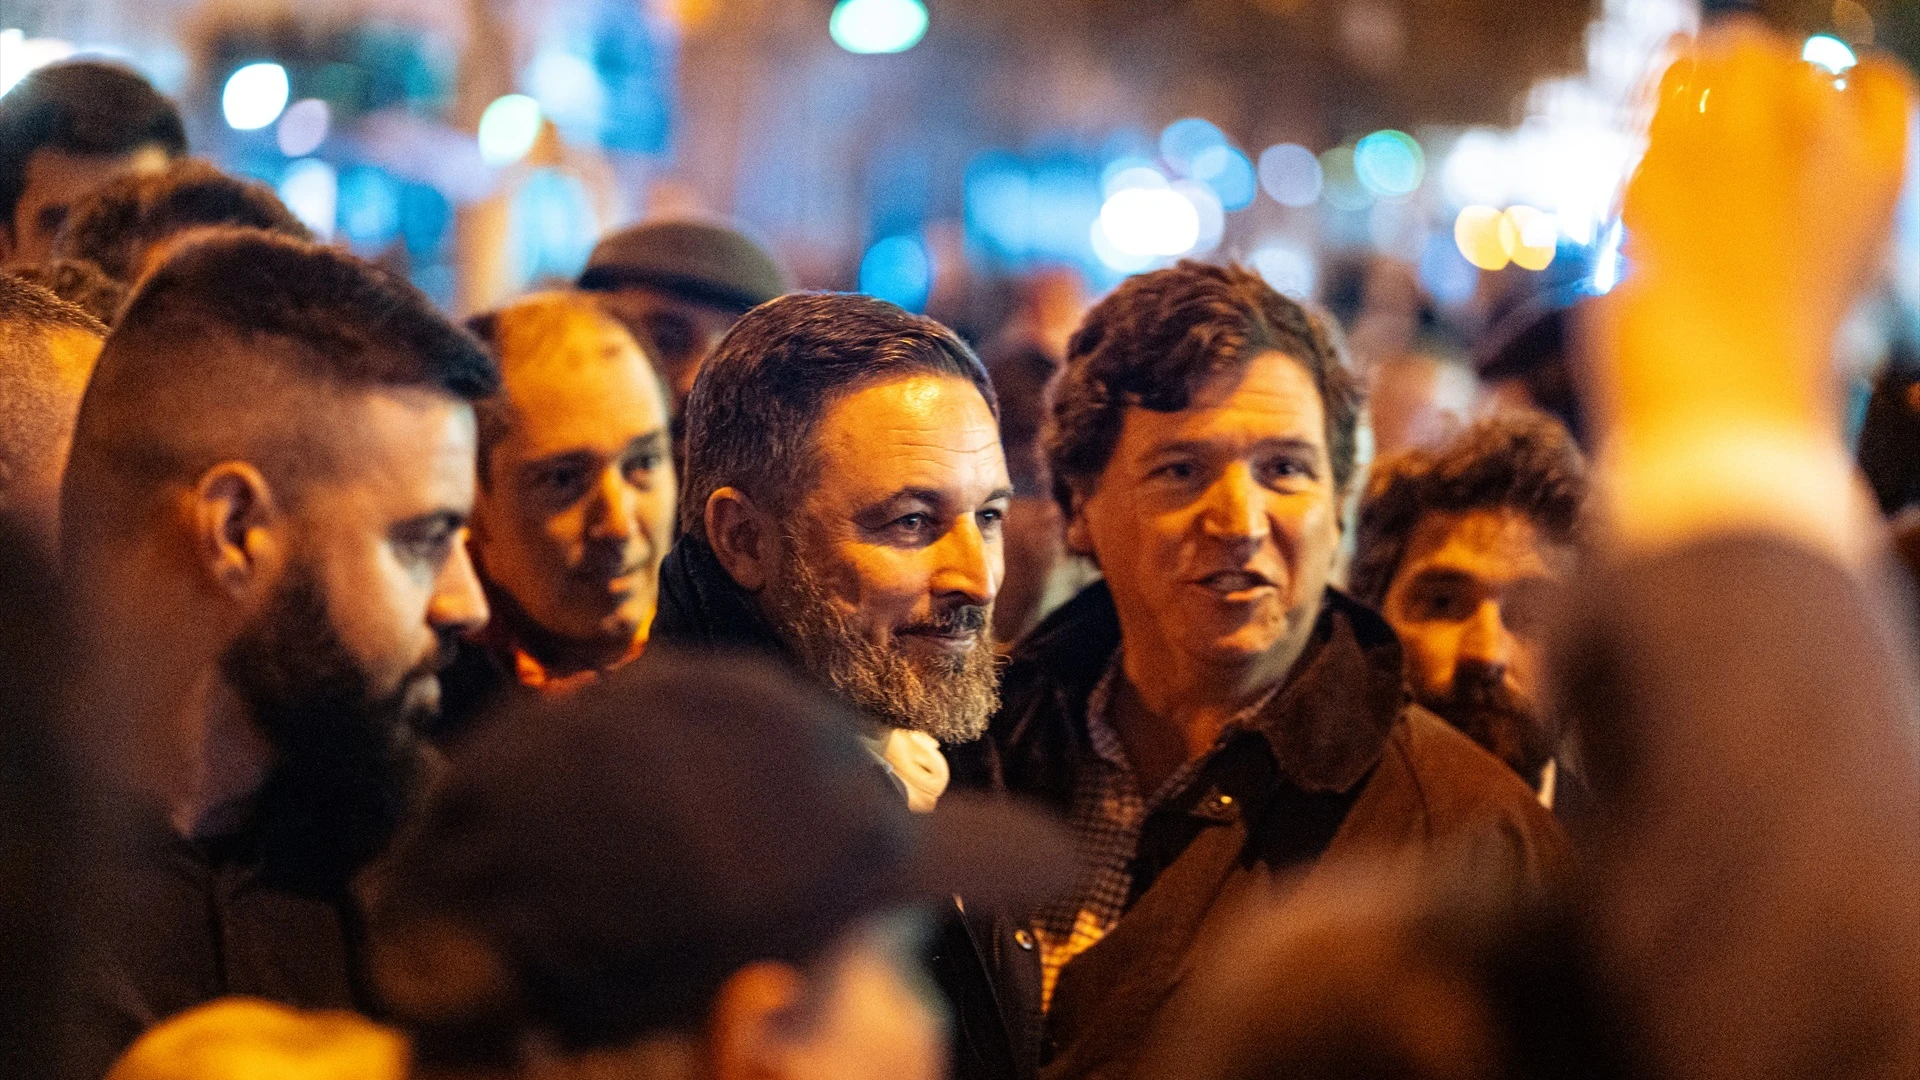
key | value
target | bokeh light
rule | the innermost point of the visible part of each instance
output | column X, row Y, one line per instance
column 878, row 26
column 1229, row 173
column 1286, row 267
column 508, row 129
column 1185, row 140
column 1477, row 233
column 1389, row 164
column 369, row 207
column 254, row 96
column 311, row 189
column 1828, row 52
column 1290, row 174
column 899, row 270
column 303, row 127
column 1150, row 222
column 1532, row 235
column 1341, row 187
column 1131, row 177
column 1209, row 214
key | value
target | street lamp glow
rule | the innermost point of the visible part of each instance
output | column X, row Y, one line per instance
column 878, row 26
column 508, row 129
column 254, row 96
column 1828, row 52
column 1151, row 222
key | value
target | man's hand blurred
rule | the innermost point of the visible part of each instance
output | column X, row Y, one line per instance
column 918, row 762
column 1763, row 202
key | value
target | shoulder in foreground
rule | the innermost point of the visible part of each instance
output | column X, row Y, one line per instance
column 1464, row 788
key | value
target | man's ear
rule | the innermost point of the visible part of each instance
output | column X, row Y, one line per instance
column 236, row 530
column 1079, row 535
column 755, row 1019
column 743, row 538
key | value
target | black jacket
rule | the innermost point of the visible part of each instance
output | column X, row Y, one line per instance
column 701, row 607
column 1339, row 763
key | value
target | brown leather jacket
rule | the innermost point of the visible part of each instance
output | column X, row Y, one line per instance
column 1339, row 765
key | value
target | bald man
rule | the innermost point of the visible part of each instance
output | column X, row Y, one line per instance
column 575, row 508
column 47, row 350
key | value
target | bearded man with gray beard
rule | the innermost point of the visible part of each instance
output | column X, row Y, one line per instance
column 842, row 509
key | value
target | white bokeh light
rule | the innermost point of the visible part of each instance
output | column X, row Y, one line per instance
column 254, row 96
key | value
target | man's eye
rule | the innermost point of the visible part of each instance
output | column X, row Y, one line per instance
column 992, row 515
column 1177, row 470
column 913, row 522
column 432, row 548
column 641, row 467
column 560, row 479
column 1287, row 469
column 1441, row 605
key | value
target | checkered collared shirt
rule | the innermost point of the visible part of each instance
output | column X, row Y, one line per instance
column 1107, row 816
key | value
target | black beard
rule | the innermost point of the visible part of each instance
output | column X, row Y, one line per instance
column 950, row 699
column 1498, row 719
column 346, row 764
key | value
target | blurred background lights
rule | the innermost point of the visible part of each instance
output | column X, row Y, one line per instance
column 1490, row 239
column 303, row 127
column 1828, row 52
column 1113, row 258
column 1532, row 236
column 1150, row 222
column 878, row 26
column 1133, row 176
column 1341, row 186
column 1290, row 174
column 508, row 129
column 1185, row 140
column 1389, row 164
column 570, row 93
column 311, row 189
column 898, row 269
column 1287, row 268
column 1229, row 173
column 254, row 96
column 20, row 54
column 1209, row 216
column 1477, row 232
column 369, row 207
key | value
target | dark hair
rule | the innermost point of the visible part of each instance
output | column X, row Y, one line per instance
column 1159, row 338
column 35, row 410
column 80, row 107
column 217, row 330
column 79, row 283
column 751, row 415
column 1520, row 461
column 117, row 224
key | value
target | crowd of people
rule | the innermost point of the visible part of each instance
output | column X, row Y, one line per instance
column 616, row 685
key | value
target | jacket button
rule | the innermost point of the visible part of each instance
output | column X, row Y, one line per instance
column 1024, row 939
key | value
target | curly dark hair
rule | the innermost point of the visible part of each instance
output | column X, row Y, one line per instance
column 1160, row 337
column 79, row 283
column 1521, row 461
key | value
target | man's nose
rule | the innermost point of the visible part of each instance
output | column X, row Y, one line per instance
column 1485, row 641
column 612, row 508
column 459, row 604
column 1234, row 509
column 968, row 564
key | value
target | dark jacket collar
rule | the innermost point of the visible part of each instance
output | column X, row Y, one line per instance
column 702, row 607
column 1326, row 726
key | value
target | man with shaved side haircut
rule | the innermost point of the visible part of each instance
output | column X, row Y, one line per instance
column 575, row 507
column 264, row 521
column 47, row 349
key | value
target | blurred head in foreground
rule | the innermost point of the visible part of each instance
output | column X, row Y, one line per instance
column 266, row 504
column 47, row 351
column 1461, row 547
column 689, row 869
column 844, row 469
column 575, row 511
column 678, row 286
column 250, row 1039
column 66, row 128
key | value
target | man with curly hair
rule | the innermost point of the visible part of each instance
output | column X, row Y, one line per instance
column 1460, row 548
column 1213, row 718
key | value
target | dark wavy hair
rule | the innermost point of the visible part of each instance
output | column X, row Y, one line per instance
column 118, row 224
column 1160, row 337
column 751, row 415
column 1521, row 461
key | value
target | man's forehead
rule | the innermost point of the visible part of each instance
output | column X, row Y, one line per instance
column 1272, row 395
column 1494, row 544
column 919, row 431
